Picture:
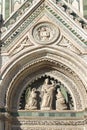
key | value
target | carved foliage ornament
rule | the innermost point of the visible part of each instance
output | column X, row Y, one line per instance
column 45, row 33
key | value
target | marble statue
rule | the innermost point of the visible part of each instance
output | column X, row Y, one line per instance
column 48, row 97
column 48, row 91
column 32, row 100
column 75, row 4
column 60, row 101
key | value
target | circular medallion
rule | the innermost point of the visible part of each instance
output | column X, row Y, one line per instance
column 45, row 33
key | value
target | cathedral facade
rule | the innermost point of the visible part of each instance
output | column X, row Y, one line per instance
column 43, row 61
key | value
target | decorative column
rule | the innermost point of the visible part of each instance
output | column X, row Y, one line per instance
column 1, row 23
column 85, row 8
column 2, row 122
column 1, row 109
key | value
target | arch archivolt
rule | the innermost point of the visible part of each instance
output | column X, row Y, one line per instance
column 46, row 62
column 55, row 72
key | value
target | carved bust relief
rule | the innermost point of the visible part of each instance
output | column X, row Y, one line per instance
column 45, row 33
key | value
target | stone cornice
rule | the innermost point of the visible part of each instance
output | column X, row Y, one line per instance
column 48, row 121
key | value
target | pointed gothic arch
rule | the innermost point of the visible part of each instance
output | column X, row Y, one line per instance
column 28, row 65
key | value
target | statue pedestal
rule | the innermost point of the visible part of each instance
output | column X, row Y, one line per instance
column 46, row 108
column 62, row 107
column 31, row 108
column 2, row 121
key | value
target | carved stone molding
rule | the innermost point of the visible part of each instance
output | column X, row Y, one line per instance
column 33, row 123
column 68, row 45
column 24, row 43
column 67, row 24
column 48, row 122
column 47, row 128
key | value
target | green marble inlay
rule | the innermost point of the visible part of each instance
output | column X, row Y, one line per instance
column 79, row 114
column 73, row 114
column 51, row 114
column 7, row 8
column 41, row 114
column 47, row 114
column 35, row 114
column 85, row 8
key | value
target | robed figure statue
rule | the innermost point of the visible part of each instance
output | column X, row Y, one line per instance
column 48, row 93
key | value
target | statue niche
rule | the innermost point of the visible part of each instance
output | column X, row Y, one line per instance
column 47, row 96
